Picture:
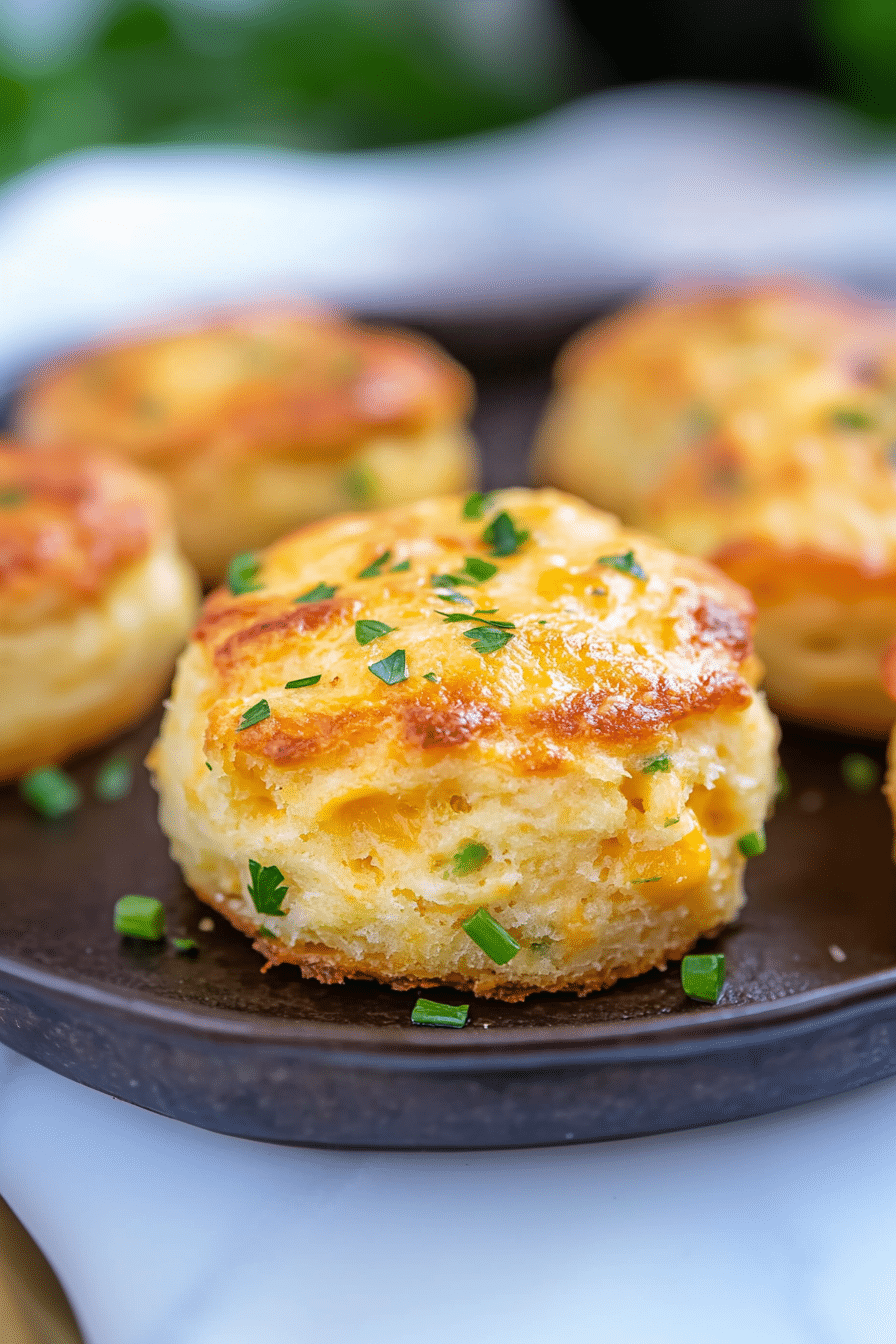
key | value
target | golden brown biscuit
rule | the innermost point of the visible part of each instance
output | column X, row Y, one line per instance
column 264, row 419
column 579, row 761
column 754, row 427
column 95, row 602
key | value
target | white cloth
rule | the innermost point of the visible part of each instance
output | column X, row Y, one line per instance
column 780, row 1229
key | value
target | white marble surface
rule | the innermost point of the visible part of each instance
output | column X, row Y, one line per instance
column 780, row 1230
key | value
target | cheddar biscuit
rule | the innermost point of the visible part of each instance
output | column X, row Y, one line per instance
column 453, row 723
column 263, row 420
column 754, row 427
column 95, row 603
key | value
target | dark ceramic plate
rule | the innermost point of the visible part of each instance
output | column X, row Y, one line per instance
column 809, row 1007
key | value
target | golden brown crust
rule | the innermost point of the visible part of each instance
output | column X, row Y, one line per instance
column 69, row 524
column 279, row 382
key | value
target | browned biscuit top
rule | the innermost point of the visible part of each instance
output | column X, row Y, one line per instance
column 272, row 382
column 612, row 638
column 68, row 524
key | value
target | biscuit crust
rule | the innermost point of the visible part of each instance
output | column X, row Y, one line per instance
column 754, row 427
column 361, row 792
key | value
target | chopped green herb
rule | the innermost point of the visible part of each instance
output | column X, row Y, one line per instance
column 375, row 568
column 450, row 580
column 319, row 593
column 542, row 947
column 265, row 889
column 360, row 484
column 671, row 821
column 476, row 504
column 367, row 631
column 391, row 670
column 255, row 714
column 852, row 417
column 208, row 765
column 703, row 975
column 114, row 779
column 626, row 564
column 140, row 917
column 860, row 773
column 12, row 498
column 430, row 676
column 503, row 535
column 660, row 765
column 491, row 937
column 302, row 681
column 184, row 946
column 452, row 618
column 468, row 859
column 242, row 573
column 542, row 622
column 782, row 789
column 402, row 568
column 639, row 881
column 266, row 932
column 479, row 570
column 486, row 639
column 50, row 791
column 444, row 587
column 428, row 1013
column 752, row 843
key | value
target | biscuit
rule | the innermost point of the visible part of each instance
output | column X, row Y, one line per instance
column 579, row 762
column 755, row 428
column 95, row 603
column 262, row 420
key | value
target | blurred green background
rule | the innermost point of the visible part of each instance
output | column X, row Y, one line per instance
column 343, row 74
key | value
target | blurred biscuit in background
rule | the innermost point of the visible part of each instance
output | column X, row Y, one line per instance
column 264, row 419
column 95, row 602
column 754, row 427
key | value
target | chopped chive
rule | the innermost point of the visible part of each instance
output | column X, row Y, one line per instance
column 302, row 681
column 184, row 945
column 430, row 676
column 375, row 568
column 359, row 484
column 479, row 570
column 486, row 639
column 391, row 670
column 266, row 932
column 367, row 631
column 782, row 785
column 468, row 859
column 50, row 791
column 255, row 714
column 12, row 498
column 319, row 593
column 626, row 564
column 671, row 821
column 752, row 843
column 140, row 917
column 703, row 975
column 208, row 765
column 660, row 765
column 860, row 773
column 114, row 779
column 242, row 573
column 476, row 504
column 491, row 937
column 265, row 888
column 428, row 1013
column 503, row 535
column 639, row 881
column 852, row 417
column 402, row 568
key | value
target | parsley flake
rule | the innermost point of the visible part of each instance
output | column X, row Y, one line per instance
column 302, row 681
column 266, row 932
column 479, row 570
column 503, row 535
column 255, row 714
column 639, row 881
column 486, row 639
column 265, row 889
column 468, row 859
column 671, row 821
column 208, row 765
column 375, row 568
column 444, row 588
column 402, row 568
column 12, row 498
column 476, row 504
column 660, row 765
column 114, row 779
column 184, row 946
column 452, row 617
column 319, row 593
column 430, row 676
column 367, row 631
column 626, row 564
column 391, row 670
column 360, row 485
column 242, row 573
column 851, row 417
